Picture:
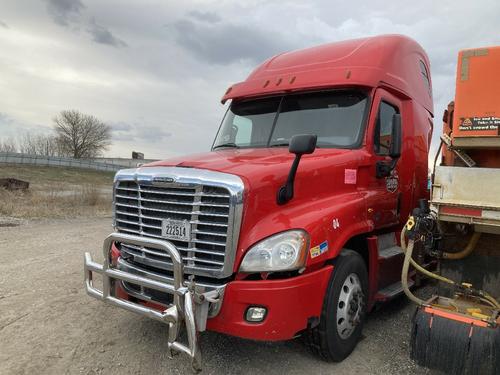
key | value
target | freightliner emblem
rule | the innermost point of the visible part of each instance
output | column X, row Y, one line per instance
column 163, row 180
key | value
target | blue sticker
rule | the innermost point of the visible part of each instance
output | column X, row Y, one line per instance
column 323, row 247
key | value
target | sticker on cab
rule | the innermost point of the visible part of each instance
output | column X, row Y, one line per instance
column 350, row 176
column 322, row 248
column 392, row 182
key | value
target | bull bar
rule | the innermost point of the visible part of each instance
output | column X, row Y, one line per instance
column 189, row 306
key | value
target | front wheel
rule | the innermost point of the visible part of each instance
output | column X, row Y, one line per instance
column 344, row 309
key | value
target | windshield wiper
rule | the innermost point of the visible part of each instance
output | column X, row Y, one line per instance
column 282, row 144
column 233, row 145
column 285, row 144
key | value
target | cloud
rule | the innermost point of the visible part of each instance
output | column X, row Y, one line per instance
column 121, row 126
column 11, row 127
column 224, row 43
column 65, row 12
column 162, row 92
column 154, row 133
column 71, row 13
column 209, row 17
column 5, row 119
column 102, row 35
column 137, row 133
column 3, row 24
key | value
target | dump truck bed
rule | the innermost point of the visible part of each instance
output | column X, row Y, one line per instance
column 468, row 195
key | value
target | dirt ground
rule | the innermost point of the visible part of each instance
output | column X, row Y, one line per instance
column 48, row 325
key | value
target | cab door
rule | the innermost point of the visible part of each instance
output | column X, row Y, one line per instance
column 384, row 201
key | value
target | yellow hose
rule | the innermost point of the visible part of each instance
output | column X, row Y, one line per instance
column 417, row 266
column 408, row 250
column 491, row 300
column 468, row 249
column 404, row 274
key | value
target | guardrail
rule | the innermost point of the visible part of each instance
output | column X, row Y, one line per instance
column 123, row 162
column 17, row 158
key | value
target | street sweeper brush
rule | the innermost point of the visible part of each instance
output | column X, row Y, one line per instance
column 454, row 343
column 458, row 335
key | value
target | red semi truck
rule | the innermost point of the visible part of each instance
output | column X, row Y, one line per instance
column 290, row 224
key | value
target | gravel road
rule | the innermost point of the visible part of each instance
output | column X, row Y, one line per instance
column 48, row 325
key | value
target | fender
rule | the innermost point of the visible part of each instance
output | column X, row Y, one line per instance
column 334, row 219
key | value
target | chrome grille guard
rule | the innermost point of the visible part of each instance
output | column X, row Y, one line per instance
column 189, row 306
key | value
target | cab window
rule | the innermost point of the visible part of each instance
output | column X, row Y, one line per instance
column 383, row 128
column 425, row 75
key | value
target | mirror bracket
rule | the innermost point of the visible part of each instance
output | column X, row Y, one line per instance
column 299, row 145
column 384, row 168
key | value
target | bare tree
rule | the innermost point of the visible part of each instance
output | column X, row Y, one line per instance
column 47, row 145
column 26, row 144
column 39, row 144
column 80, row 135
column 8, row 145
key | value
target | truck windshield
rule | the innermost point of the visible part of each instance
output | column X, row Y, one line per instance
column 336, row 117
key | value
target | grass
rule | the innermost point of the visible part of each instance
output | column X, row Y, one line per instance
column 56, row 192
column 40, row 176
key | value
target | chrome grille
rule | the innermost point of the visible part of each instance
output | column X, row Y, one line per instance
column 140, row 206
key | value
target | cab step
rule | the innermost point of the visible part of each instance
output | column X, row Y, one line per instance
column 392, row 291
column 388, row 246
column 390, row 252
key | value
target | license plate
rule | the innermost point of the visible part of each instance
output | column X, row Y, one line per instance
column 179, row 230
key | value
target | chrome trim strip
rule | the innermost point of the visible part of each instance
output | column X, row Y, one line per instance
column 159, row 219
column 187, row 249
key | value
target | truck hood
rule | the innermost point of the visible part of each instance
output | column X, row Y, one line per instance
column 321, row 177
column 247, row 163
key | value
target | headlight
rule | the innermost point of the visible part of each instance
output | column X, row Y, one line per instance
column 281, row 252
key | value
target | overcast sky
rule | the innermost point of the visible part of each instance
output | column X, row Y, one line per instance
column 155, row 70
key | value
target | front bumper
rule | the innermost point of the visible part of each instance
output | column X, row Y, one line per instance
column 290, row 303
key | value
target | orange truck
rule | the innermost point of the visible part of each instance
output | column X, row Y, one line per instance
column 457, row 331
column 476, row 122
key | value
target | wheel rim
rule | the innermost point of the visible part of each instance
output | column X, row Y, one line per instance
column 350, row 306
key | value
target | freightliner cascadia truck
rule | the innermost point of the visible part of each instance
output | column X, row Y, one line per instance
column 290, row 224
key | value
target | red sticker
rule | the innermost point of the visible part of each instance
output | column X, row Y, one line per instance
column 350, row 176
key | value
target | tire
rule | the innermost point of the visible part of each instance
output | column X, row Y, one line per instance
column 334, row 339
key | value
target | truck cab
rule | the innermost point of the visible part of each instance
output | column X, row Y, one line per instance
column 289, row 225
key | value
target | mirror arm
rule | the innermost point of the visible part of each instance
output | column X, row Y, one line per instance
column 285, row 193
column 384, row 169
column 299, row 145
